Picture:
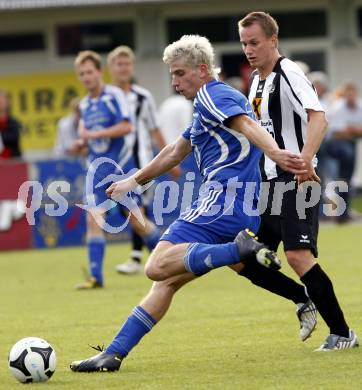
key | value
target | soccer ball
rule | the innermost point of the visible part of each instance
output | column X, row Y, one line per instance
column 32, row 360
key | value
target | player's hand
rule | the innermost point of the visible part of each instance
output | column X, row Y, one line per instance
column 310, row 175
column 85, row 134
column 289, row 161
column 119, row 188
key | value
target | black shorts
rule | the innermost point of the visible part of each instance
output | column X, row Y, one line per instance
column 288, row 227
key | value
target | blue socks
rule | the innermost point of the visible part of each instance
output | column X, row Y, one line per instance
column 137, row 325
column 96, row 246
column 202, row 258
column 151, row 240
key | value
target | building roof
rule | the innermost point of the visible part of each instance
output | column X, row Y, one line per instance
column 33, row 4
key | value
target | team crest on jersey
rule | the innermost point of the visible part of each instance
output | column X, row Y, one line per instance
column 271, row 88
column 257, row 107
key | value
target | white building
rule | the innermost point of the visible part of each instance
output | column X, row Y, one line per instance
column 39, row 37
column 44, row 35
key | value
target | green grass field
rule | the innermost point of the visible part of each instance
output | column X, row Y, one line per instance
column 221, row 332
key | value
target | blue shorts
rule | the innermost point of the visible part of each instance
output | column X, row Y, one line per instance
column 216, row 217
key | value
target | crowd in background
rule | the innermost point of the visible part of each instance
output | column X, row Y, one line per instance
column 338, row 153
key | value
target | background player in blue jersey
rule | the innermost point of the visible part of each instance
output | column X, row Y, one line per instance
column 105, row 120
column 121, row 62
column 223, row 136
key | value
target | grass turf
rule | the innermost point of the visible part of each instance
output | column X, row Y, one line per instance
column 220, row 333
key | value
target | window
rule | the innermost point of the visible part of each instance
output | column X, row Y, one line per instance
column 293, row 24
column 20, row 42
column 216, row 29
column 302, row 24
column 100, row 37
column 316, row 60
column 359, row 21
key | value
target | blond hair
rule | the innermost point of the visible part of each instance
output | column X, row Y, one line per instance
column 119, row 51
column 194, row 50
column 267, row 23
column 88, row 55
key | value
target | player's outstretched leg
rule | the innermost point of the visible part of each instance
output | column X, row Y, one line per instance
column 280, row 284
column 334, row 342
column 142, row 319
column 102, row 362
column 307, row 316
column 199, row 258
column 137, row 325
column 251, row 249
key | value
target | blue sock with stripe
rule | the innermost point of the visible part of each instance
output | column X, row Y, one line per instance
column 151, row 240
column 137, row 325
column 96, row 246
column 202, row 258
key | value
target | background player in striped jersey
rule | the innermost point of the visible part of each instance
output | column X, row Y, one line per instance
column 105, row 120
column 223, row 136
column 287, row 105
column 140, row 143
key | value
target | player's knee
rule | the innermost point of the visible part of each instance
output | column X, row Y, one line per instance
column 300, row 260
column 155, row 270
column 93, row 226
column 154, row 273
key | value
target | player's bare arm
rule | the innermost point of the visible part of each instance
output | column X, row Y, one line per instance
column 316, row 129
column 159, row 141
column 287, row 160
column 169, row 157
column 118, row 130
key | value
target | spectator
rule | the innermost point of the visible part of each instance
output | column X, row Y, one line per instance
column 10, row 130
column 68, row 142
column 320, row 83
column 121, row 64
column 303, row 66
column 237, row 83
column 327, row 166
column 175, row 114
column 345, row 127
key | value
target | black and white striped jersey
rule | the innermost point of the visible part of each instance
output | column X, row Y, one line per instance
column 280, row 103
column 144, row 112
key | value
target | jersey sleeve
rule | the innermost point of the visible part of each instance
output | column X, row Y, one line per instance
column 120, row 104
column 150, row 110
column 187, row 133
column 302, row 92
column 222, row 103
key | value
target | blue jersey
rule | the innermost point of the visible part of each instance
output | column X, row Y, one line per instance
column 222, row 153
column 228, row 162
column 106, row 110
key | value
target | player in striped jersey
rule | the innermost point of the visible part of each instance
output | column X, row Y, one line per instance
column 226, row 141
column 105, row 120
column 286, row 104
column 140, row 142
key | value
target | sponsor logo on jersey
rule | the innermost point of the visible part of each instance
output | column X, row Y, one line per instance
column 271, row 88
column 257, row 107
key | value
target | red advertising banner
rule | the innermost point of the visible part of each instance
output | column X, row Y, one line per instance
column 15, row 232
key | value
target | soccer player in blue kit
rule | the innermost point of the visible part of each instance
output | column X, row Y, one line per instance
column 105, row 120
column 227, row 143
